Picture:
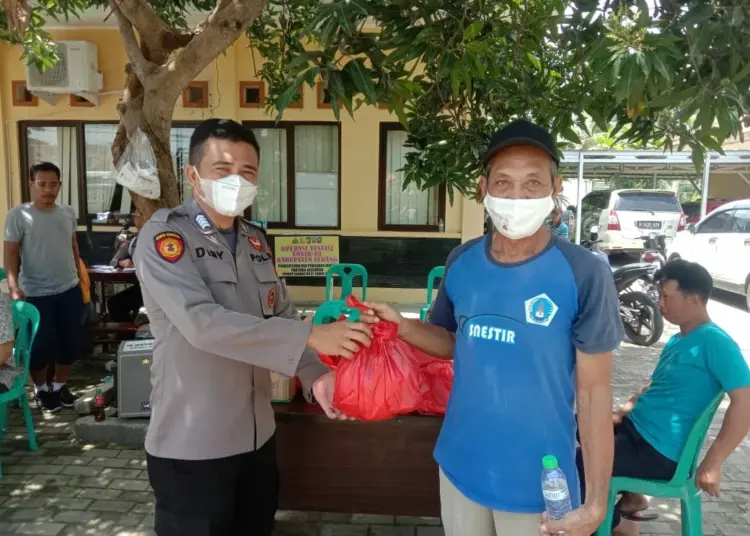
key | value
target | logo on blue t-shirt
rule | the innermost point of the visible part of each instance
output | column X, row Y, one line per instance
column 540, row 310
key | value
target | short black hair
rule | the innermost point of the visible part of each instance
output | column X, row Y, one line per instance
column 44, row 166
column 222, row 129
column 691, row 278
column 571, row 208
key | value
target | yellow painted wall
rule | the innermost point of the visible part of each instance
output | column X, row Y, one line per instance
column 359, row 146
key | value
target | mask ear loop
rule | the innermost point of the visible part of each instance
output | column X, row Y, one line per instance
column 198, row 188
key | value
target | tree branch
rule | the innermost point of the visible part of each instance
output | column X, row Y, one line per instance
column 144, row 19
column 212, row 36
column 141, row 66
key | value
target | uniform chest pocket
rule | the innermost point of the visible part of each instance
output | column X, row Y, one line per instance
column 220, row 277
column 267, row 287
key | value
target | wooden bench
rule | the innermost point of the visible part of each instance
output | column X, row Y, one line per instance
column 345, row 466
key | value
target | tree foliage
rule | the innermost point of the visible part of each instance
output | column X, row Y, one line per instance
column 675, row 73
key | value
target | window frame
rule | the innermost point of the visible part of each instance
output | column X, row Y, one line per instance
column 385, row 128
column 80, row 132
column 715, row 215
column 289, row 126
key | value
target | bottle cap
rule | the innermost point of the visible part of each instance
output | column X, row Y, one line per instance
column 550, row 462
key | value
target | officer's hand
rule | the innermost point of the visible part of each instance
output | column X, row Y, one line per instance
column 323, row 392
column 339, row 338
column 126, row 263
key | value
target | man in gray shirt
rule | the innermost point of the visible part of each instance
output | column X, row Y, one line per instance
column 41, row 260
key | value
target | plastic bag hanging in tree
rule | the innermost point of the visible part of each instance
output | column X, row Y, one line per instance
column 136, row 169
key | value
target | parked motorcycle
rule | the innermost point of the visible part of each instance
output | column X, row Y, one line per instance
column 655, row 249
column 638, row 297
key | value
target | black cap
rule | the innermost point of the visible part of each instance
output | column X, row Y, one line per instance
column 522, row 133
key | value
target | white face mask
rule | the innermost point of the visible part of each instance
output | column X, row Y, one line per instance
column 229, row 196
column 518, row 218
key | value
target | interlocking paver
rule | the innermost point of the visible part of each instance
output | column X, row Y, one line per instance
column 70, row 489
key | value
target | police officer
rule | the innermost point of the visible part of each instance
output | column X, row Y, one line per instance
column 222, row 321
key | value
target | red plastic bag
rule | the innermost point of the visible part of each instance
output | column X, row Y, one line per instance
column 382, row 381
column 437, row 376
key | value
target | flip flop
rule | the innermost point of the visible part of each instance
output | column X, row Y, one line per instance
column 641, row 515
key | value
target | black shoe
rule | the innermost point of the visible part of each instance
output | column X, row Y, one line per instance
column 48, row 401
column 67, row 399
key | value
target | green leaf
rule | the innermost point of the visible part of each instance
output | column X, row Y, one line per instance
column 362, row 78
column 455, row 82
column 744, row 73
column 705, row 118
column 643, row 63
column 570, row 134
column 661, row 66
column 473, row 30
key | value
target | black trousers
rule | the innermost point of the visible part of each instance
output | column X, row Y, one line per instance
column 634, row 458
column 235, row 496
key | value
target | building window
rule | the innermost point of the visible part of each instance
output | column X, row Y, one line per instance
column 103, row 194
column 195, row 95
column 252, row 94
column 409, row 209
column 79, row 102
column 299, row 174
column 83, row 152
column 21, row 96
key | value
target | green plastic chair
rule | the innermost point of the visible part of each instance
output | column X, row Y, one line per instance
column 682, row 486
column 347, row 273
column 436, row 273
column 3, row 275
column 25, row 323
column 332, row 310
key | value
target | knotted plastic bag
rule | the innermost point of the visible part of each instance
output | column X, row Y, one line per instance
column 136, row 169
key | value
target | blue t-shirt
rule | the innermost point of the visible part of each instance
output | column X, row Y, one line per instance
column 517, row 329
column 692, row 370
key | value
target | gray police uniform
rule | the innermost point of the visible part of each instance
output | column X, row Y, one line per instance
column 221, row 321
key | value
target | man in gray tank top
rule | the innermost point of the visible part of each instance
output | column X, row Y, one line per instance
column 41, row 260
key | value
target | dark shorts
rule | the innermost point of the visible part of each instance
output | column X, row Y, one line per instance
column 223, row 497
column 634, row 458
column 59, row 338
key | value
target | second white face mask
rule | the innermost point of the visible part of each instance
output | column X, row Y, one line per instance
column 229, row 196
column 518, row 218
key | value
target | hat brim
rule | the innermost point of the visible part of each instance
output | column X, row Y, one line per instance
column 515, row 142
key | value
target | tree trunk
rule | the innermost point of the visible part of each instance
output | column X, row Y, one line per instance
column 161, row 65
column 135, row 113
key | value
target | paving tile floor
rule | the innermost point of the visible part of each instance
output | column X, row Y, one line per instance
column 71, row 489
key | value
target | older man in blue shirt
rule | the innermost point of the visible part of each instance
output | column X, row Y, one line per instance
column 532, row 321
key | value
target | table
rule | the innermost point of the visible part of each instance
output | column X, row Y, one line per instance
column 345, row 466
column 101, row 277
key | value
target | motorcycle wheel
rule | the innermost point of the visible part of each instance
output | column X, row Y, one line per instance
column 648, row 313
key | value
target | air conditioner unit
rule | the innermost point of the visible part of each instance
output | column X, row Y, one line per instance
column 76, row 72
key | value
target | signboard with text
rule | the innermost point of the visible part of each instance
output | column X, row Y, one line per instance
column 305, row 256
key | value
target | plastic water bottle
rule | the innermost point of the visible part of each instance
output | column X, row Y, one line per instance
column 555, row 489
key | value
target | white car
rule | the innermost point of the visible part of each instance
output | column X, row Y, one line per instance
column 721, row 243
column 624, row 216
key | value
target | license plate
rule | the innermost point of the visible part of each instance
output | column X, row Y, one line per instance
column 648, row 224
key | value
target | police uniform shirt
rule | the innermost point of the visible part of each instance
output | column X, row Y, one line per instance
column 221, row 321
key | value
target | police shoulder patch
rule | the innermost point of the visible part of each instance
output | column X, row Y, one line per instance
column 271, row 299
column 169, row 246
column 257, row 245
